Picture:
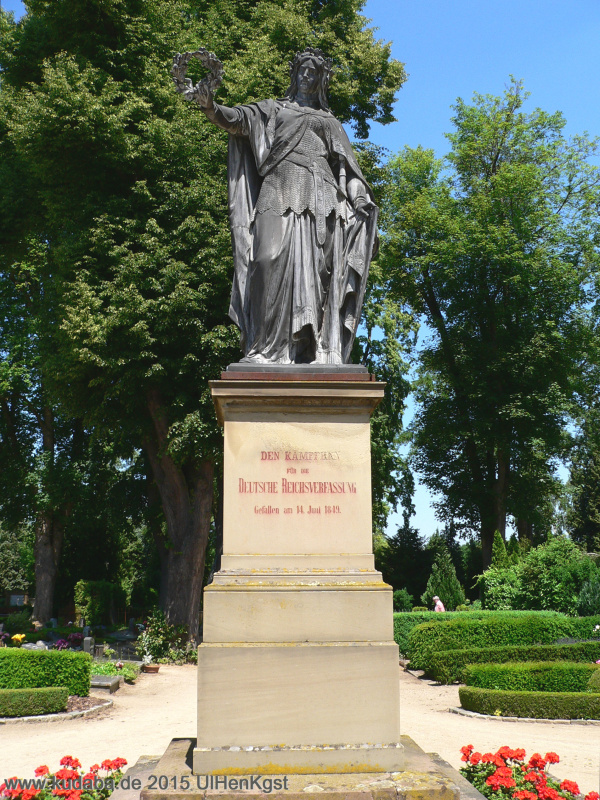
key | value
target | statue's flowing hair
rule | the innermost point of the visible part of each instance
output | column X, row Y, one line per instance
column 324, row 67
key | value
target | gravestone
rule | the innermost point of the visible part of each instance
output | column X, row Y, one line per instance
column 88, row 645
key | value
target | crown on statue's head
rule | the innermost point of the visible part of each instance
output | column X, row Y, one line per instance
column 314, row 54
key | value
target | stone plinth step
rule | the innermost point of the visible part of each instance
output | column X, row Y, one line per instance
column 423, row 777
column 106, row 683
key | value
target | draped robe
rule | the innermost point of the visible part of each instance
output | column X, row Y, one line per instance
column 300, row 275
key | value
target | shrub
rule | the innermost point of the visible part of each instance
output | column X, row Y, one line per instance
column 448, row 666
column 32, row 669
column 402, row 600
column 537, row 705
column 404, row 623
column 97, row 601
column 443, row 583
column 493, row 630
column 552, row 576
column 129, row 671
column 589, row 598
column 594, row 682
column 17, row 621
column 32, row 702
column 162, row 641
column 537, row 676
column 500, row 587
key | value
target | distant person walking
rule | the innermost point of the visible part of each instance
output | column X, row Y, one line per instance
column 439, row 606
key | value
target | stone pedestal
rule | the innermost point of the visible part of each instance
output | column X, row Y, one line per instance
column 298, row 670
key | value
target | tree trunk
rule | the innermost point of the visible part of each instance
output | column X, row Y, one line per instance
column 49, row 534
column 524, row 529
column 186, row 496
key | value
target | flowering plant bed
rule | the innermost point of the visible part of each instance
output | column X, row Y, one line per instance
column 506, row 774
column 70, row 781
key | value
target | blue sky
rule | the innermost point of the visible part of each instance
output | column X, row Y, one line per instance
column 453, row 48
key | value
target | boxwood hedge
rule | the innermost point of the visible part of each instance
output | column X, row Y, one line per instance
column 29, row 669
column 538, row 705
column 547, row 676
column 32, row 702
column 448, row 666
column 404, row 622
column 497, row 629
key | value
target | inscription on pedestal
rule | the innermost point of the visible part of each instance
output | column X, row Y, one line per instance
column 294, row 499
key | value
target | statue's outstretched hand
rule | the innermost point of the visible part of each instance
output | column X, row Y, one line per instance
column 203, row 91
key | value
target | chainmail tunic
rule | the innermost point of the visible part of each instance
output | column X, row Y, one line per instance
column 291, row 185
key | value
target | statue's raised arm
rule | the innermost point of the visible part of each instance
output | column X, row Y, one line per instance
column 303, row 219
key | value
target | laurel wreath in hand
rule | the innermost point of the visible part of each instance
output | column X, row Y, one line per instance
column 207, row 85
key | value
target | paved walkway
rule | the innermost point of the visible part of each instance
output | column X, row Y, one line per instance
column 145, row 717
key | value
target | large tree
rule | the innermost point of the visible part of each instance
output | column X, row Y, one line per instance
column 494, row 252
column 123, row 187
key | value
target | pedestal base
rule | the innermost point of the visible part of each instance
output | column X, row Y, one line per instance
column 423, row 776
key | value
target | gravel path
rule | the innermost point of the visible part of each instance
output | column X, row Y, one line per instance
column 145, row 717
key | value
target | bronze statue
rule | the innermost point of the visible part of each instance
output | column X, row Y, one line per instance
column 303, row 220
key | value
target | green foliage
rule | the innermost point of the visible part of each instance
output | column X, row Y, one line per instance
column 501, row 371
column 403, row 601
column 404, row 623
column 552, row 575
column 493, row 630
column 588, row 603
column 129, row 671
column 594, row 682
column 32, row 669
column 583, row 514
column 499, row 554
column 16, row 560
column 444, row 583
column 536, row 705
column 500, row 587
column 449, row 666
column 98, row 601
column 536, row 676
column 548, row 577
column 32, row 702
column 18, row 621
column 161, row 641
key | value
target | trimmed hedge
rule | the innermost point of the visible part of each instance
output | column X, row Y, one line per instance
column 32, row 669
column 499, row 628
column 404, row 622
column 449, row 665
column 549, row 676
column 32, row 702
column 538, row 705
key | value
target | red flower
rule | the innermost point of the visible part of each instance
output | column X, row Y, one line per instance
column 548, row 793
column 466, row 752
column 43, row 770
column 29, row 793
column 537, row 761
column 106, row 764
column 525, row 795
column 475, row 758
column 590, row 796
column 119, row 762
column 531, row 776
column 94, row 768
column 67, row 774
column 569, row 786
column 552, row 758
